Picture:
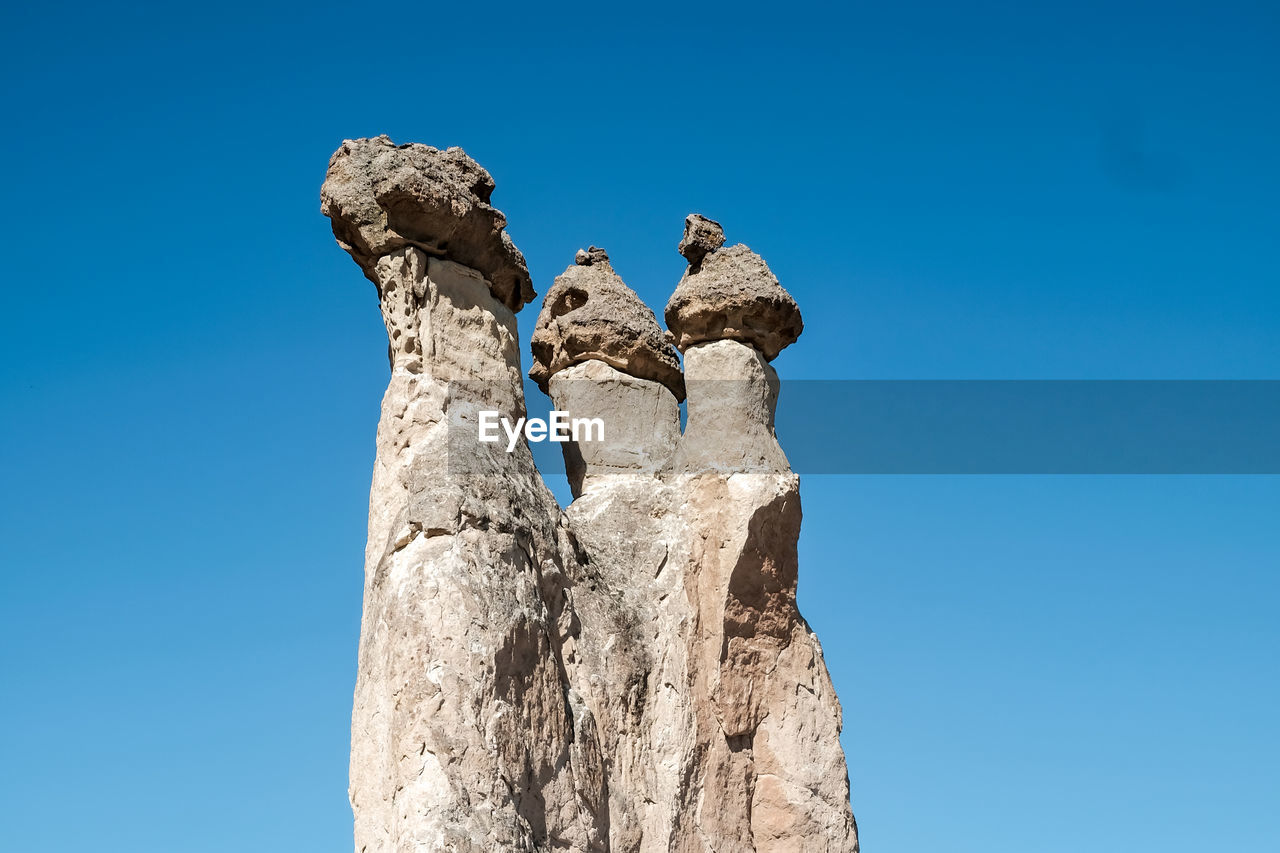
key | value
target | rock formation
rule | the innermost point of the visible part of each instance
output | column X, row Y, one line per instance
column 590, row 314
column 702, row 236
column 729, row 294
column 630, row 673
column 381, row 197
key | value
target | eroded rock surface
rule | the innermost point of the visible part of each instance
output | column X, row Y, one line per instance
column 701, row 237
column 731, row 294
column 628, row 674
column 380, row 197
column 590, row 313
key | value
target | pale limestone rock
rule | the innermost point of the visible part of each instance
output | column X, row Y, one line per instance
column 590, row 313
column 461, row 735
column 730, row 424
column 630, row 674
column 641, row 442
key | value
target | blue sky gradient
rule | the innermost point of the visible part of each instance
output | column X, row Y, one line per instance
column 191, row 369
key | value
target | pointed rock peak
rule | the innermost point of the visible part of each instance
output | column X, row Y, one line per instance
column 591, row 257
column 590, row 313
column 702, row 236
column 381, row 197
column 730, row 294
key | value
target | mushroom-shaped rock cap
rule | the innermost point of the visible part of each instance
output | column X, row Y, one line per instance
column 590, row 313
column 381, row 197
column 733, row 295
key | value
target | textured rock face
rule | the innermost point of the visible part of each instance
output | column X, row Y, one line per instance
column 641, row 442
column 381, row 196
column 589, row 313
column 701, row 237
column 731, row 294
column 629, row 674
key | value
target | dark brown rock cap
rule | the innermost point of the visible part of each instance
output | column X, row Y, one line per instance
column 381, row 197
column 702, row 236
column 729, row 293
column 589, row 312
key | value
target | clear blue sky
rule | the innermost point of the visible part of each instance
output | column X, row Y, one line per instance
column 190, row 372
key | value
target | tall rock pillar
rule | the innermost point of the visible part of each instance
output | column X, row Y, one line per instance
column 628, row 674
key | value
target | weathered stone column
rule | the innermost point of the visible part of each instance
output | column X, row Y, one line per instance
column 772, row 774
column 630, row 674
column 463, row 737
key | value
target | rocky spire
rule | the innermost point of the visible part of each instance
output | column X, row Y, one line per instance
column 629, row 674
column 729, row 294
column 590, row 313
